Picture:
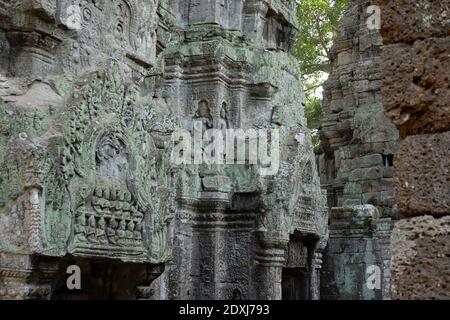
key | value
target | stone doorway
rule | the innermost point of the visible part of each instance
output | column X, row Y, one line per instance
column 300, row 272
column 295, row 284
column 106, row 280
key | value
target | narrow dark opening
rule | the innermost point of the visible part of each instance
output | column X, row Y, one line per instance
column 388, row 160
column 295, row 284
column 281, row 37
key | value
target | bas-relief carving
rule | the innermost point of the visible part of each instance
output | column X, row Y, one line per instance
column 112, row 203
column 109, row 189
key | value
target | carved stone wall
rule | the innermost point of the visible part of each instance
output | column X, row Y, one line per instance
column 91, row 93
column 356, row 159
column 79, row 179
column 416, row 71
column 233, row 226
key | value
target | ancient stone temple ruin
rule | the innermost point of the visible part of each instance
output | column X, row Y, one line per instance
column 106, row 104
column 91, row 95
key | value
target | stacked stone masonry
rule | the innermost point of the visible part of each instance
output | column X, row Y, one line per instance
column 416, row 94
column 356, row 162
column 357, row 140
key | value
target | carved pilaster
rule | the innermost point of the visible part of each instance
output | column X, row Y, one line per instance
column 314, row 280
column 26, row 277
column 270, row 259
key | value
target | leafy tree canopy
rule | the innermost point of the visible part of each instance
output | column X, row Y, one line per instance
column 318, row 25
column 318, row 22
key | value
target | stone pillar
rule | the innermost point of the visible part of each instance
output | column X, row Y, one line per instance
column 314, row 281
column 26, row 277
column 268, row 276
column 416, row 72
column 269, row 262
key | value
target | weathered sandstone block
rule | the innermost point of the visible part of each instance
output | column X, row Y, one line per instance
column 420, row 264
column 422, row 175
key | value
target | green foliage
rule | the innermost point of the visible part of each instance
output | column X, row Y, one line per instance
column 314, row 113
column 318, row 22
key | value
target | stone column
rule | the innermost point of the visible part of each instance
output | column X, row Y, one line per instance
column 314, row 275
column 268, row 276
column 268, row 271
column 26, row 277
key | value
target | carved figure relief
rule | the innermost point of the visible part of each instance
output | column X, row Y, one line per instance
column 122, row 21
column 224, row 122
column 111, row 158
column 112, row 200
column 203, row 119
column 111, row 171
